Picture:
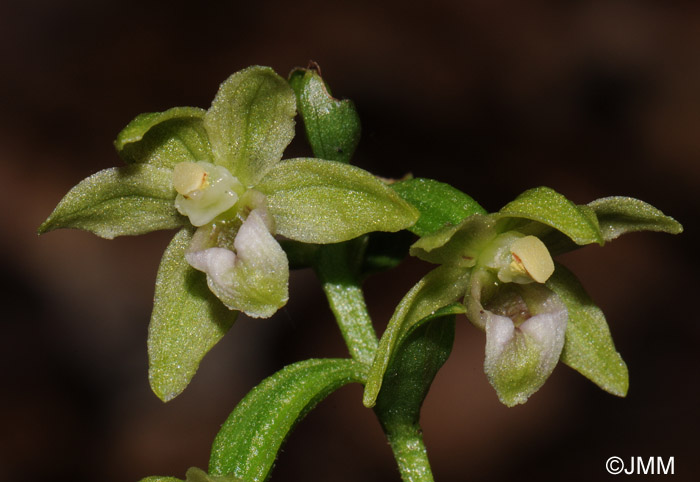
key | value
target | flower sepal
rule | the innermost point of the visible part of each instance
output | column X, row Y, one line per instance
column 119, row 201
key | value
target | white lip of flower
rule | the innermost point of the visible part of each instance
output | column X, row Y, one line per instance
column 204, row 191
column 520, row 358
column 247, row 273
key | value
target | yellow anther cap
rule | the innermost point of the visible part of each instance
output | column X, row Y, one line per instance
column 531, row 256
column 188, row 177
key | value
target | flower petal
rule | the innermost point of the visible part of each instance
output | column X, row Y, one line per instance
column 255, row 278
column 458, row 245
column 164, row 139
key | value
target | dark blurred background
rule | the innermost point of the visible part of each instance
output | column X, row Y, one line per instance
column 591, row 98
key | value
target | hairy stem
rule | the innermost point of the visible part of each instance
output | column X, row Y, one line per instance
column 336, row 267
column 406, row 442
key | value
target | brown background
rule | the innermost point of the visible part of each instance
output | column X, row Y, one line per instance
column 591, row 98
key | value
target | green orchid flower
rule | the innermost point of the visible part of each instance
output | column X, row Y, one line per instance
column 531, row 309
column 534, row 312
column 218, row 176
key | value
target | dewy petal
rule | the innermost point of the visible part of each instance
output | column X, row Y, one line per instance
column 255, row 278
column 519, row 359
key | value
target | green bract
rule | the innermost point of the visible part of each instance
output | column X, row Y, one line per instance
column 500, row 264
column 332, row 126
column 439, row 204
column 220, row 171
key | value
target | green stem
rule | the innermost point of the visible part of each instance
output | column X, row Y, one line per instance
column 336, row 268
column 405, row 386
column 406, row 442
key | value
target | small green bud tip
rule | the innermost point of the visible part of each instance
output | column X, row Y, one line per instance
column 204, row 191
column 531, row 258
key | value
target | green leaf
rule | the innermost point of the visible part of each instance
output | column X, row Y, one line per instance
column 588, row 347
column 439, row 204
column 319, row 201
column 546, row 206
column 251, row 437
column 250, row 122
column 441, row 287
column 414, row 366
column 332, row 126
column 119, row 201
column 198, row 475
column 193, row 475
column 164, row 139
column 158, row 478
column 619, row 215
column 187, row 321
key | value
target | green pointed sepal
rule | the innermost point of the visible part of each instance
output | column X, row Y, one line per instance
column 187, row 321
column 119, row 201
column 588, row 347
